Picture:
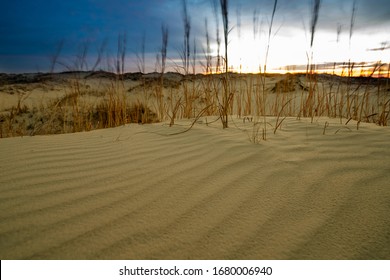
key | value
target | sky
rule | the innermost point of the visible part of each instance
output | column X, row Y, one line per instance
column 72, row 33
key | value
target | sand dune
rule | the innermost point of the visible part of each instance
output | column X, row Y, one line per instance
column 133, row 192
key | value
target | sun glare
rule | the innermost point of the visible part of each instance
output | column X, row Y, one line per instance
column 248, row 54
column 290, row 53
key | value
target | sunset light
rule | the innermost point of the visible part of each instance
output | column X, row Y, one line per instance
column 347, row 31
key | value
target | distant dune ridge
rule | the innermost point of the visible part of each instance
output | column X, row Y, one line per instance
column 132, row 192
column 309, row 180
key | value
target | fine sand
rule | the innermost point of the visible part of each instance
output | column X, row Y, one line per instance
column 137, row 192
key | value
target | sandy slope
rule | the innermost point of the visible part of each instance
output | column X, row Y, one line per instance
column 135, row 193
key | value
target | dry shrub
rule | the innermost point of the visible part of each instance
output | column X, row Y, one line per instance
column 108, row 114
column 287, row 84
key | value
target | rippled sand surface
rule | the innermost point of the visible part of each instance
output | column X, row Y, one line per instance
column 137, row 192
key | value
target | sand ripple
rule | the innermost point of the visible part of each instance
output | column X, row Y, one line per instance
column 134, row 193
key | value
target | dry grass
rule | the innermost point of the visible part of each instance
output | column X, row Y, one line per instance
column 80, row 108
column 83, row 107
column 111, row 103
column 118, row 98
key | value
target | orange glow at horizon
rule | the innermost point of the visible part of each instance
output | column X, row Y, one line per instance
column 290, row 54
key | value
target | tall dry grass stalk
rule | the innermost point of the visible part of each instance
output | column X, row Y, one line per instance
column 207, row 52
column 161, row 62
column 185, row 55
column 264, row 101
column 218, row 37
column 226, row 95
column 309, row 109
